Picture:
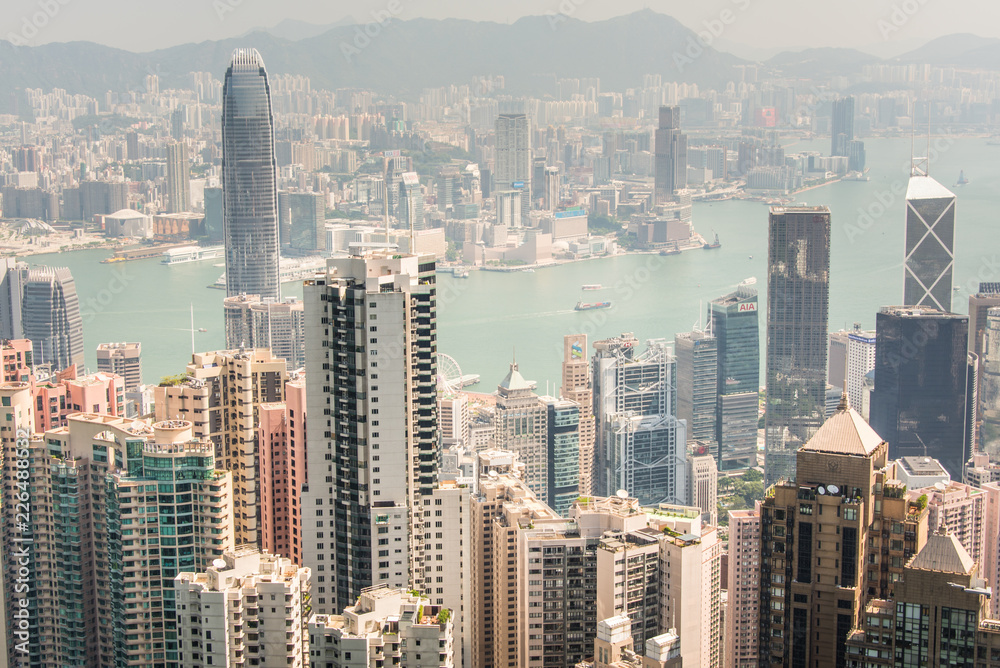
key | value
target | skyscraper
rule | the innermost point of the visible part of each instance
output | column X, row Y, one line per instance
column 798, row 300
column 178, row 178
column 280, row 326
column 640, row 445
column 307, row 221
column 12, row 275
column 989, row 387
column 842, row 126
column 371, row 425
column 513, row 157
column 51, row 317
column 735, row 326
column 576, row 387
column 921, row 367
column 411, row 202
column 929, row 257
column 821, row 534
column 670, row 155
column 697, row 386
column 248, row 179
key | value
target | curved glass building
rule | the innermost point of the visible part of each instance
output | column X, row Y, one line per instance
column 250, row 211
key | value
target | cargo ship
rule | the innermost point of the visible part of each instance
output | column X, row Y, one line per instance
column 584, row 306
column 714, row 244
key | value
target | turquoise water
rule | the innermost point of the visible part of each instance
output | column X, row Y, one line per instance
column 485, row 319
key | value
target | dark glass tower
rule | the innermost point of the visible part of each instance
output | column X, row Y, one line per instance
column 798, row 301
column 929, row 258
column 735, row 326
column 921, row 367
column 842, row 126
column 669, row 154
column 250, row 215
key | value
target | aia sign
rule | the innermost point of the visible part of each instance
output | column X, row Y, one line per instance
column 747, row 307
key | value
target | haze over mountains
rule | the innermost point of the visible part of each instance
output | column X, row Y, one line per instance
column 403, row 57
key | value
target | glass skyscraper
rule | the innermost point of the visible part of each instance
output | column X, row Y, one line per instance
column 669, row 155
column 921, row 367
column 798, row 302
column 50, row 312
column 735, row 326
column 250, row 214
column 929, row 259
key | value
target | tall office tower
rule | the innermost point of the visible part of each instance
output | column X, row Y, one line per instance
column 842, row 126
column 222, row 393
column 12, row 276
column 372, row 423
column 836, row 365
column 989, row 387
column 121, row 359
column 132, row 145
column 743, row 578
column 214, row 217
column 938, row 616
column 512, row 167
column 735, row 327
column 640, row 444
column 929, row 255
column 453, row 419
column 520, row 426
column 814, row 590
column 703, row 487
column 307, row 221
column 562, row 435
column 50, row 312
column 860, row 361
column 798, row 301
column 697, row 386
column 576, row 387
column 553, row 183
column 411, row 203
column 249, row 189
column 281, row 456
column 921, row 368
column 177, row 124
column 384, row 627
column 108, row 497
column 278, row 325
column 669, row 155
column 509, row 209
column 227, row 613
column 178, row 178
column 979, row 305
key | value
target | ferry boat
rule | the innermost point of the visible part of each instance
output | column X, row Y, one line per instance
column 584, row 306
column 673, row 250
column 460, row 272
column 962, row 180
column 192, row 254
column 714, row 244
column 592, row 286
column 289, row 271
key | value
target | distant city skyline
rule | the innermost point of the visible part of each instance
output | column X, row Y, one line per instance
column 884, row 27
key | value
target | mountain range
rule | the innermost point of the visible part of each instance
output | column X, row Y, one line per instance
column 403, row 57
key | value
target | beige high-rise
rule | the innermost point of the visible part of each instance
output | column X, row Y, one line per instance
column 221, row 394
column 576, row 386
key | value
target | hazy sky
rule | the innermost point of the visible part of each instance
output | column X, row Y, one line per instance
column 886, row 27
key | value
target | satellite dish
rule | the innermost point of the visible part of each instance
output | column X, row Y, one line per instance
column 493, row 474
column 821, row 489
column 622, row 494
column 833, row 489
column 940, row 486
column 219, row 563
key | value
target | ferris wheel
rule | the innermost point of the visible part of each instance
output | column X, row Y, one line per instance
column 449, row 374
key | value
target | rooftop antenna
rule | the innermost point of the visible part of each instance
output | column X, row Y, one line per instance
column 919, row 165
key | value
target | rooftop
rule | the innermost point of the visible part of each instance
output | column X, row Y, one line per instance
column 943, row 553
column 845, row 433
column 925, row 187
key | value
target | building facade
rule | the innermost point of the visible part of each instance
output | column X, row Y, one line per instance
column 122, row 359
column 929, row 255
